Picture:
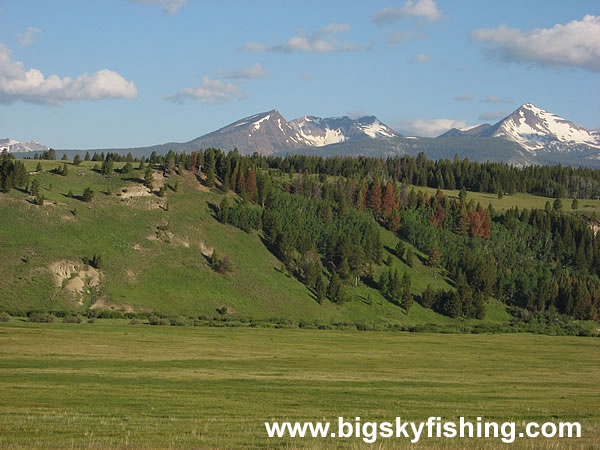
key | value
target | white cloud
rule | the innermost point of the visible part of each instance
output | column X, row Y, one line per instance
column 170, row 7
column 420, row 8
column 323, row 41
column 209, row 91
column 428, row 128
column 464, row 97
column 26, row 39
column 255, row 71
column 421, row 58
column 493, row 115
column 32, row 86
column 575, row 44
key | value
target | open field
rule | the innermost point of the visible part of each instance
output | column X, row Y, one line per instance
column 113, row 384
column 586, row 207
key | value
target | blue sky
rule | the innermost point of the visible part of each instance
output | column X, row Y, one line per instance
column 122, row 73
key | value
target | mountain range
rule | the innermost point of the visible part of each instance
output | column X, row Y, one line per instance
column 268, row 133
column 527, row 136
column 13, row 146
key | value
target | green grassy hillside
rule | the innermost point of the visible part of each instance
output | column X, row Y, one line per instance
column 155, row 254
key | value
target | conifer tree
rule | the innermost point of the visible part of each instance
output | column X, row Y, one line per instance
column 320, row 289
column 435, row 257
column 374, row 200
column 148, row 178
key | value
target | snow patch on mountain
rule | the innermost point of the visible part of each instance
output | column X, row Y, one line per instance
column 376, row 129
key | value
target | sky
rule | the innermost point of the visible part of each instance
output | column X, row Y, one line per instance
column 126, row 73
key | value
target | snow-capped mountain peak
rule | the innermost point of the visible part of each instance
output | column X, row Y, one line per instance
column 269, row 132
column 535, row 129
column 317, row 131
column 13, row 146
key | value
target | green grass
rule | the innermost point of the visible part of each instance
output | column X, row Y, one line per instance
column 530, row 201
column 109, row 384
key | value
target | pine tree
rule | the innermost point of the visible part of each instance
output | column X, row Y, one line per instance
column 65, row 170
column 400, row 250
column 374, row 201
column 384, row 283
column 312, row 273
column 77, row 159
column 148, row 178
column 210, row 177
column 428, row 297
column 251, row 189
column 107, row 166
column 557, row 206
column 361, row 198
column 389, row 200
column 335, row 287
column 575, row 204
column 87, row 156
column 435, row 257
column 38, row 168
column 320, row 289
column 35, row 187
column 88, row 195
column 127, row 169
column 396, row 287
column 224, row 210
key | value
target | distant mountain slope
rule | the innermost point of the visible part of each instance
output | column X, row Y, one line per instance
column 470, row 131
column 483, row 149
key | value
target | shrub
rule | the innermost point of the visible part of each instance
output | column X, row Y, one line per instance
column 73, row 319
column 4, row 317
column 135, row 322
column 41, row 318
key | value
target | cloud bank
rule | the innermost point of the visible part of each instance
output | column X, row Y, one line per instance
column 209, row 91
column 32, row 86
column 26, row 39
column 253, row 72
column 575, row 44
column 495, row 99
column 428, row 128
column 464, row 97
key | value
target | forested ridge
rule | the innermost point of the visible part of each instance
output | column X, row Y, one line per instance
column 320, row 227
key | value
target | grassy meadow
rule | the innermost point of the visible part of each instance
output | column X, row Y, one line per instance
column 109, row 384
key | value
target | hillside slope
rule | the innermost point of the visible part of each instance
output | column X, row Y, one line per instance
column 155, row 254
